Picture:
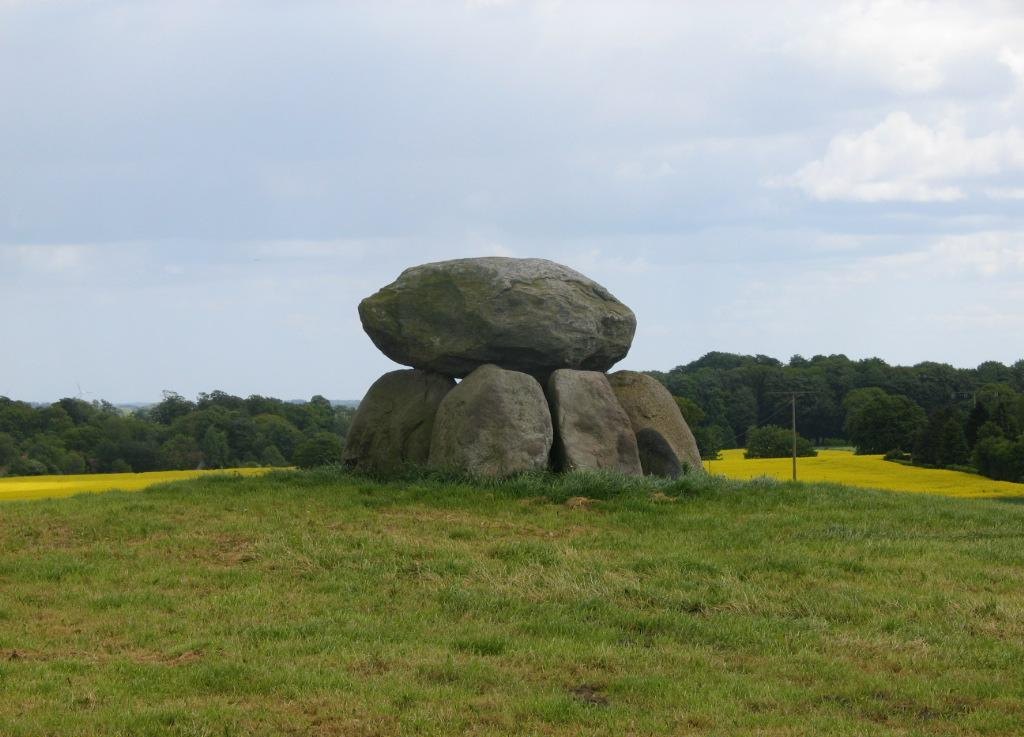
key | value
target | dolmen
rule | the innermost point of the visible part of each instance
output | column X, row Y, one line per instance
column 530, row 342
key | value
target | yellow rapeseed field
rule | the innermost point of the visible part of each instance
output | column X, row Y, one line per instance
column 834, row 466
column 843, row 467
column 43, row 487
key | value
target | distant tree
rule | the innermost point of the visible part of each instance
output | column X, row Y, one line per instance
column 343, row 420
column 180, row 453
column 990, row 430
column 977, row 418
column 691, row 411
column 171, row 408
column 942, row 442
column 993, row 372
column 1000, row 458
column 712, row 440
column 141, row 455
column 271, row 456
column 320, row 413
column 73, row 463
column 78, row 410
column 216, row 451
column 279, row 432
column 9, row 452
column 772, row 441
column 877, row 422
column 953, row 448
column 1017, row 374
column 25, row 466
column 47, row 449
column 323, row 449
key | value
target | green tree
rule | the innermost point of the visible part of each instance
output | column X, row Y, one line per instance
column 279, row 432
column 691, row 411
column 322, row 449
column 1000, row 458
column 171, row 408
column 180, row 453
column 216, row 451
column 877, row 422
column 943, row 442
column 953, row 449
column 9, row 452
column 271, row 456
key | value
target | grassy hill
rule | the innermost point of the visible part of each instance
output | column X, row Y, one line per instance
column 322, row 604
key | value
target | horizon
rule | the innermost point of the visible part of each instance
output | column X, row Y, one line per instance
column 345, row 400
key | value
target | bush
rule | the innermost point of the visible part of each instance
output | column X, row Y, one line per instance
column 323, row 449
column 25, row 466
column 772, row 441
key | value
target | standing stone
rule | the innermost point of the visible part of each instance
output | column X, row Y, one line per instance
column 591, row 429
column 649, row 404
column 495, row 423
column 656, row 456
column 529, row 315
column 395, row 420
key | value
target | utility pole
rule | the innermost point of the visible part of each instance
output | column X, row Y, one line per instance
column 792, row 399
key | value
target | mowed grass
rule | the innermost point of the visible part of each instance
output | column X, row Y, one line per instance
column 324, row 604
column 52, row 487
column 843, row 467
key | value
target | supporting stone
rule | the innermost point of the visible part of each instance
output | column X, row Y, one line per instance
column 591, row 429
column 393, row 426
column 494, row 423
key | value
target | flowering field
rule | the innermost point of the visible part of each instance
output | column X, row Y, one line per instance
column 843, row 467
column 46, row 487
column 832, row 466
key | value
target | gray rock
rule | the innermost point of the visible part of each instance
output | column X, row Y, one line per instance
column 591, row 429
column 656, row 455
column 495, row 423
column 649, row 404
column 394, row 423
column 529, row 315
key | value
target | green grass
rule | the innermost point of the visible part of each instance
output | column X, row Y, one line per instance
column 324, row 604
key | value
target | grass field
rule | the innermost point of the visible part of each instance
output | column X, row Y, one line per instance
column 843, row 467
column 47, row 487
column 322, row 604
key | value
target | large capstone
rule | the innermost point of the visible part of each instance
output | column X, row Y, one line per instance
column 494, row 423
column 394, row 423
column 649, row 404
column 529, row 315
column 591, row 429
column 656, row 456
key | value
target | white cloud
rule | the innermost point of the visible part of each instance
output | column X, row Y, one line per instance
column 908, row 46
column 1015, row 61
column 48, row 258
column 900, row 159
column 984, row 255
column 1005, row 193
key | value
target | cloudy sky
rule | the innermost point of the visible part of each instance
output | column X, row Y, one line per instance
column 195, row 194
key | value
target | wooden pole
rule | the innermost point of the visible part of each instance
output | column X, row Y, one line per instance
column 794, row 435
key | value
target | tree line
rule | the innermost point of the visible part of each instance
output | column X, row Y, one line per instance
column 217, row 430
column 931, row 413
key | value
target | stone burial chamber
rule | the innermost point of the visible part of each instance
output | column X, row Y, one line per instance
column 531, row 341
